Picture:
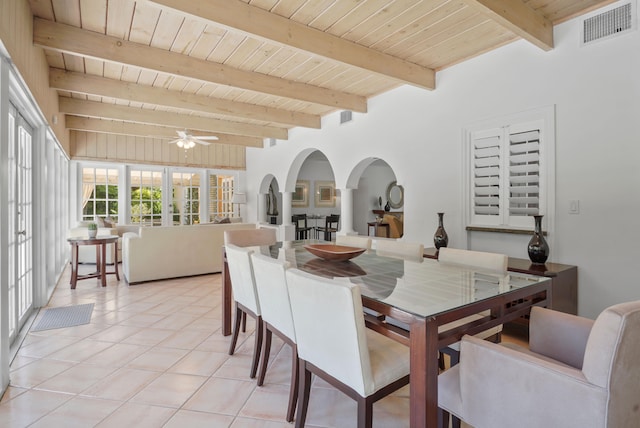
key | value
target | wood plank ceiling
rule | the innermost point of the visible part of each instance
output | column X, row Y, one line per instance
column 246, row 70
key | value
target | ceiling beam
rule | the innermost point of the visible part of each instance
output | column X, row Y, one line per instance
column 518, row 18
column 101, row 86
column 76, row 41
column 102, row 126
column 270, row 26
column 183, row 121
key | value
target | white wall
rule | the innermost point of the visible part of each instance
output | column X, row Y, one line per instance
column 596, row 92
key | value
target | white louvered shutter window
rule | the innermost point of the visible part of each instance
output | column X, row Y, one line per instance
column 524, row 170
column 509, row 171
column 486, row 177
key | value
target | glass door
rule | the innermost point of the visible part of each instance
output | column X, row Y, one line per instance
column 20, row 251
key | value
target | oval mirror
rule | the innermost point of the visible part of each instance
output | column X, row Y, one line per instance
column 395, row 195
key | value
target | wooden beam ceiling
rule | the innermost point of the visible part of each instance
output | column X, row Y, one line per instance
column 100, row 86
column 73, row 40
column 518, row 18
column 130, row 114
column 79, row 123
column 259, row 22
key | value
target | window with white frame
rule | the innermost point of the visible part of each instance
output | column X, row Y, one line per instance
column 186, row 198
column 99, row 193
column 146, row 197
column 510, row 167
column 220, row 194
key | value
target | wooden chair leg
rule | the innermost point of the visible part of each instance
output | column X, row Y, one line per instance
column 266, row 350
column 236, row 330
column 293, row 388
column 304, row 390
column 244, row 322
column 256, row 348
column 365, row 412
column 443, row 418
column 455, row 422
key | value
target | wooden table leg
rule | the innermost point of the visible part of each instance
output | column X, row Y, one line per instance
column 74, row 266
column 226, row 297
column 103, row 264
column 115, row 259
column 423, row 406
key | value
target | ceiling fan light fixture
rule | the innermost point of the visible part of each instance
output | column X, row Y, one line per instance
column 180, row 143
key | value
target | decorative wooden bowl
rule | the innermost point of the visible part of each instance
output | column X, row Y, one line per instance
column 336, row 253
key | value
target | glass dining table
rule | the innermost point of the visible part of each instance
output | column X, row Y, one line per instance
column 423, row 298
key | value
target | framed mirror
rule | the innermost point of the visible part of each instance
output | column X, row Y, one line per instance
column 395, row 195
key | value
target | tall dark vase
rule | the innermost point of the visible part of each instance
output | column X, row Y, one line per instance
column 538, row 248
column 440, row 238
column 387, row 207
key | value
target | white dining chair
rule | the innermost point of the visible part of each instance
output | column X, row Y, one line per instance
column 484, row 261
column 354, row 241
column 335, row 345
column 250, row 237
column 246, row 298
column 400, row 249
column 275, row 307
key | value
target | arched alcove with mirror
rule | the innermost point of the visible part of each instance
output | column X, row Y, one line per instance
column 378, row 200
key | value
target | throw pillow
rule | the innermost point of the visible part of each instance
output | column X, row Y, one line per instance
column 108, row 222
column 224, row 220
column 99, row 221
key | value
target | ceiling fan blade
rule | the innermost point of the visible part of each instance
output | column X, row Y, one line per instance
column 182, row 134
column 175, row 141
column 199, row 141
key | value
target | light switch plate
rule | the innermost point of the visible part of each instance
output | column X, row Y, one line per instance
column 574, row 207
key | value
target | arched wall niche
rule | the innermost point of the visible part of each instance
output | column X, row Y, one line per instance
column 369, row 180
column 270, row 203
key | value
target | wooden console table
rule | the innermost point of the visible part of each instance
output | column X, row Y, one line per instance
column 101, row 258
column 564, row 279
column 377, row 226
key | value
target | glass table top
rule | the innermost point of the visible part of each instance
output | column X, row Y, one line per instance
column 421, row 288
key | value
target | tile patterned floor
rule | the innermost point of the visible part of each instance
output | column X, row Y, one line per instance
column 153, row 356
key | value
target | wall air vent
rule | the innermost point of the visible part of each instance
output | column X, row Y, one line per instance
column 610, row 23
column 346, row 116
column 271, row 142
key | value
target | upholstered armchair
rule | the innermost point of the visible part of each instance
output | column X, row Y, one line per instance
column 576, row 373
column 396, row 225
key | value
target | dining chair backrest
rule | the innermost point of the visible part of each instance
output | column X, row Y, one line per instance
column 250, row 237
column 330, row 329
column 400, row 249
column 475, row 259
column 354, row 241
column 271, row 284
column 299, row 220
column 242, row 278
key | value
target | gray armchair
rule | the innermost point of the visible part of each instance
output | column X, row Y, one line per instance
column 576, row 373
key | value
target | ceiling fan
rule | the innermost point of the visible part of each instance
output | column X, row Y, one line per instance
column 188, row 141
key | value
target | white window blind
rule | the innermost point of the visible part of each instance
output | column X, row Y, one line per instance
column 486, row 173
column 507, row 175
column 524, row 173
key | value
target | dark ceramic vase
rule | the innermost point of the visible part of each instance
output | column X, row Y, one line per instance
column 440, row 238
column 538, row 248
column 387, row 207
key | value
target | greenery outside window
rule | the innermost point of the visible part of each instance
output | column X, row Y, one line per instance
column 186, row 198
column 146, row 197
column 220, row 194
column 99, row 193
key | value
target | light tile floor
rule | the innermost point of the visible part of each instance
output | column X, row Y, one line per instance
column 153, row 356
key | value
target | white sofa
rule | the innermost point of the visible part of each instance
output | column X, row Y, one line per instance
column 87, row 253
column 174, row 251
